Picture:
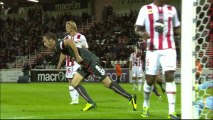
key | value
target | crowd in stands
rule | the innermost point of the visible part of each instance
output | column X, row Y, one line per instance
column 111, row 39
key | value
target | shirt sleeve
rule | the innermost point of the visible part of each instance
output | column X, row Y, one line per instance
column 175, row 20
column 141, row 17
column 84, row 42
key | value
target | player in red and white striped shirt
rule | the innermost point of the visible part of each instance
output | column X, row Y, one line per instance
column 157, row 22
column 71, row 65
column 136, row 66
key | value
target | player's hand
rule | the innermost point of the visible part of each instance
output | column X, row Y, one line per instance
column 145, row 36
column 80, row 60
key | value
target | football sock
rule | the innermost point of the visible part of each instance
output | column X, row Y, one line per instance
column 147, row 92
column 171, row 95
column 73, row 93
column 81, row 90
column 71, row 90
column 139, row 84
column 118, row 89
column 134, row 84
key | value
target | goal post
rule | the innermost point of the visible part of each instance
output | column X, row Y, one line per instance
column 196, row 43
column 187, row 57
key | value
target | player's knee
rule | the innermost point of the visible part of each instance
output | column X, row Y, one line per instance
column 169, row 76
column 150, row 79
column 74, row 83
column 107, row 81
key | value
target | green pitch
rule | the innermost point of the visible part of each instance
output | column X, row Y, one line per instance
column 51, row 101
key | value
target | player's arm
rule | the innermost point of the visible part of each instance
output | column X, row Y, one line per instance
column 176, row 23
column 140, row 31
column 140, row 24
column 74, row 48
column 130, row 65
column 61, row 59
column 177, row 30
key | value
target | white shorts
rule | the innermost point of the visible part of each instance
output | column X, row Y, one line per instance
column 137, row 71
column 71, row 70
column 160, row 58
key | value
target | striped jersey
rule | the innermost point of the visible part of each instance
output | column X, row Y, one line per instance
column 149, row 16
column 81, row 42
column 136, row 61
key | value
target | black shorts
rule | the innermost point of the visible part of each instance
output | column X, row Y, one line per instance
column 93, row 68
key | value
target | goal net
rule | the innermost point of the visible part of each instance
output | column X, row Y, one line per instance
column 196, row 48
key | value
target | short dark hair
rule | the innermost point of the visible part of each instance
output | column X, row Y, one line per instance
column 50, row 35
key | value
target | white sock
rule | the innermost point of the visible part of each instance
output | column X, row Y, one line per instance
column 171, row 95
column 147, row 92
column 72, row 93
column 139, row 84
column 75, row 94
column 134, row 84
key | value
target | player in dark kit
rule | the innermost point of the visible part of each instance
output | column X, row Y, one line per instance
column 90, row 65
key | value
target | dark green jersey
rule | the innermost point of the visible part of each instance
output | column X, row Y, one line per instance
column 85, row 54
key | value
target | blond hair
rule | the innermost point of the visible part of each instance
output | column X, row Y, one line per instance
column 72, row 25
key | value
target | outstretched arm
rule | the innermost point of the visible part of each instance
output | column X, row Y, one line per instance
column 61, row 59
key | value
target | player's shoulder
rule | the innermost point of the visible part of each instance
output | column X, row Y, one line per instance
column 170, row 6
column 150, row 4
column 132, row 53
column 79, row 36
column 147, row 6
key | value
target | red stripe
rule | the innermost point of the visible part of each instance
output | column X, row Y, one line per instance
column 151, row 21
column 169, row 29
column 72, row 62
column 160, row 37
column 78, row 37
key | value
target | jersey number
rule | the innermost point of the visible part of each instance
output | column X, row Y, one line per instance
column 101, row 70
column 147, row 62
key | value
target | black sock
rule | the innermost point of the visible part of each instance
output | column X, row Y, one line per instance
column 118, row 89
column 81, row 90
column 155, row 90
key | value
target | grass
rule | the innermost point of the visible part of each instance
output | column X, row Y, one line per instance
column 51, row 101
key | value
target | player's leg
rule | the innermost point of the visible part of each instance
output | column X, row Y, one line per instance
column 159, row 81
column 118, row 79
column 139, row 83
column 139, row 78
column 70, row 71
column 151, row 71
column 204, row 103
column 73, row 94
column 119, row 90
column 155, row 91
column 168, row 63
column 79, row 76
column 206, row 85
column 134, row 80
column 100, row 73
